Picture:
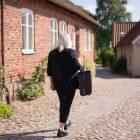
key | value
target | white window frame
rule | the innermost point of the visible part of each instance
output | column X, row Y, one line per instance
column 54, row 31
column 64, row 27
column 28, row 12
column 92, row 40
column 73, row 37
column 87, row 40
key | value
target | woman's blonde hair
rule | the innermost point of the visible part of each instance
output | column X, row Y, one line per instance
column 64, row 40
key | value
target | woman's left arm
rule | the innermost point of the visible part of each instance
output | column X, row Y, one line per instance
column 75, row 62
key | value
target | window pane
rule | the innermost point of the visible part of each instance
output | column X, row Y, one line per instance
column 54, row 29
column 24, row 18
column 52, row 38
column 24, row 37
column 65, row 28
column 74, row 40
column 56, row 38
column 52, row 25
column 30, row 38
column 30, row 20
column 89, row 40
column 55, row 26
column 86, row 39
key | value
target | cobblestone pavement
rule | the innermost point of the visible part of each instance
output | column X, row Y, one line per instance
column 92, row 116
column 123, row 123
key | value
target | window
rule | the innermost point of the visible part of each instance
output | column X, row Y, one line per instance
column 27, row 31
column 92, row 40
column 87, row 40
column 54, row 30
column 63, row 27
column 73, row 38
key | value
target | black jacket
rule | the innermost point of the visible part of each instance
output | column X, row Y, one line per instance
column 62, row 66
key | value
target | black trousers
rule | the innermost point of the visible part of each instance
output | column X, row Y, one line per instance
column 65, row 99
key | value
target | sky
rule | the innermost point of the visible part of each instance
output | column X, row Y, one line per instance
column 133, row 7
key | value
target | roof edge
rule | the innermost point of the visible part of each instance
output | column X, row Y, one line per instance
column 75, row 10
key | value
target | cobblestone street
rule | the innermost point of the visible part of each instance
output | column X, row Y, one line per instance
column 123, row 123
column 112, row 112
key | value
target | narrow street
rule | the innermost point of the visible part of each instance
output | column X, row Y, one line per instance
column 112, row 112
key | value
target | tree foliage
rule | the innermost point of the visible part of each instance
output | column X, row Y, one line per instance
column 107, row 12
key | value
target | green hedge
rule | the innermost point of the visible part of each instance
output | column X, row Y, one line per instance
column 5, row 111
column 108, row 57
column 98, row 58
column 120, row 66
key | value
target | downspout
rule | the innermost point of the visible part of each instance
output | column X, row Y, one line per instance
column 2, row 43
column 2, row 34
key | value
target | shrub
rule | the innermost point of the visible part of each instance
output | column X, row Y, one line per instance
column 89, row 65
column 120, row 66
column 107, row 57
column 97, row 57
column 39, row 75
column 5, row 111
column 33, row 89
column 30, row 91
column 3, row 88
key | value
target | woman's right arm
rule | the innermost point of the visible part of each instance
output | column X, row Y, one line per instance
column 49, row 67
column 49, row 72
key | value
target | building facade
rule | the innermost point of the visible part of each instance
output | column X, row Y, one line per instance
column 29, row 31
column 128, row 45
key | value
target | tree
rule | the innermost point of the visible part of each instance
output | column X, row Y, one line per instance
column 107, row 12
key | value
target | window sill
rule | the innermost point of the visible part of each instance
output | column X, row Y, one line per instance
column 28, row 52
column 87, row 50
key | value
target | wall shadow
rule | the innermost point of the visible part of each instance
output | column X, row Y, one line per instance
column 105, row 73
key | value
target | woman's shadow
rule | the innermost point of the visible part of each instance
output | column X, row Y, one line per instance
column 37, row 135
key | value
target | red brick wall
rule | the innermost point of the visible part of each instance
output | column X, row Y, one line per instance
column 0, row 34
column 17, row 64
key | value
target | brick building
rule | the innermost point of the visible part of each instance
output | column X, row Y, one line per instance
column 128, row 45
column 29, row 30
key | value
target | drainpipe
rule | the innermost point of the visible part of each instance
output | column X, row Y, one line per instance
column 2, row 34
column 2, row 41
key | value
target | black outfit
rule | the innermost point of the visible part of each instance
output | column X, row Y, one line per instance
column 65, row 99
column 62, row 66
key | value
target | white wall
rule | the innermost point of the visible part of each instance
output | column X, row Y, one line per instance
column 136, row 60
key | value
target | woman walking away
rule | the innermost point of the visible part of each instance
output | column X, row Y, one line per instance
column 62, row 65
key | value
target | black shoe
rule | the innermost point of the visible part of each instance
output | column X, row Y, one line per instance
column 67, row 125
column 61, row 133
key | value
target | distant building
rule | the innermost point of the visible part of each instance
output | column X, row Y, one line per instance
column 128, row 45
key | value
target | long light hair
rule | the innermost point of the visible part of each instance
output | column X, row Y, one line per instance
column 64, row 41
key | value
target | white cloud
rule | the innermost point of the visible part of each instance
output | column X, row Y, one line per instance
column 133, row 7
column 130, row 8
column 91, row 8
